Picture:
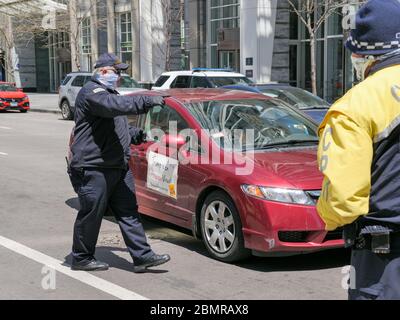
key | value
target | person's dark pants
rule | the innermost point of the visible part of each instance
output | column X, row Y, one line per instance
column 100, row 189
column 374, row 276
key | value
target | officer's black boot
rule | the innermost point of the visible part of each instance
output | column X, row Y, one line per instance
column 154, row 260
column 92, row 265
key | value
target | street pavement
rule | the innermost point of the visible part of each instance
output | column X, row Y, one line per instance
column 37, row 211
column 44, row 102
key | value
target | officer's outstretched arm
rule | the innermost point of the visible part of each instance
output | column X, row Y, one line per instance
column 345, row 156
column 106, row 105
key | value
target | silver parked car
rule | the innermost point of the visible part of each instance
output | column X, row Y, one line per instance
column 74, row 82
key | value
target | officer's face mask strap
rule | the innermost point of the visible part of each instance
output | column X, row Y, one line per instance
column 361, row 65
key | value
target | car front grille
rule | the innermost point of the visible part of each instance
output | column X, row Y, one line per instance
column 11, row 100
column 334, row 235
column 292, row 236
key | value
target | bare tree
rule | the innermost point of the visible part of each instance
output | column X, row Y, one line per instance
column 313, row 14
column 169, row 25
column 71, row 22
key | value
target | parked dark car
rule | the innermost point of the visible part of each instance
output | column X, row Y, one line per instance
column 312, row 105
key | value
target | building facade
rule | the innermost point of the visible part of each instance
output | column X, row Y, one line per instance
column 146, row 34
column 263, row 39
column 266, row 40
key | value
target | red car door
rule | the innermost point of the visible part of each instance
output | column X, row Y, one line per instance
column 152, row 198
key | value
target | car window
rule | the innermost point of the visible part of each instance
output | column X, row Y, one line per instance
column 253, row 124
column 78, row 81
column 133, row 120
column 181, row 82
column 228, row 81
column 161, row 80
column 128, row 82
column 199, row 82
column 66, row 80
column 7, row 87
column 163, row 119
column 87, row 79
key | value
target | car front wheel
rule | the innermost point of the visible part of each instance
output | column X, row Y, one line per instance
column 66, row 111
column 221, row 228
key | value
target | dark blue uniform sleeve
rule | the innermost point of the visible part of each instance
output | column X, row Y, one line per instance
column 107, row 105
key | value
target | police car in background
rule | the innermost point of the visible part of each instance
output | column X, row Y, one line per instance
column 200, row 78
column 74, row 82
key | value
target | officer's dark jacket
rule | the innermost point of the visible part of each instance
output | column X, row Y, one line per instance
column 359, row 152
column 102, row 135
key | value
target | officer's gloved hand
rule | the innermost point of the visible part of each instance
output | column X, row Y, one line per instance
column 158, row 101
column 138, row 137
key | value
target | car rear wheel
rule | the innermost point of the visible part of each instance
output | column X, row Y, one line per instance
column 221, row 228
column 66, row 111
column 23, row 111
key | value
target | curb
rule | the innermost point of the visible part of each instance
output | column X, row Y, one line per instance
column 45, row 111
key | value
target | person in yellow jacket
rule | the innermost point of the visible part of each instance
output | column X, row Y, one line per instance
column 359, row 155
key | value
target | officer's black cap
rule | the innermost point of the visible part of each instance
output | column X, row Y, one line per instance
column 110, row 60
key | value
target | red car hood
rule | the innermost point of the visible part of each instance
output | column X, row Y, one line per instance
column 12, row 94
column 298, row 168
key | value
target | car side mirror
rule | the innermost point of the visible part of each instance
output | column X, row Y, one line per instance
column 173, row 140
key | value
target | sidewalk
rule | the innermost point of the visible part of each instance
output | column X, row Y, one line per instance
column 44, row 102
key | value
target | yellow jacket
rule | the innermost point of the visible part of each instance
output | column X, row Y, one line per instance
column 359, row 138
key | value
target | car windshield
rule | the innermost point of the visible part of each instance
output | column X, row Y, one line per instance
column 128, row 82
column 7, row 87
column 227, row 81
column 296, row 97
column 254, row 124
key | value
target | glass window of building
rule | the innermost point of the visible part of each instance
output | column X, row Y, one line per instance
column 334, row 70
column 86, row 47
column 59, row 58
column 124, row 39
column 224, row 14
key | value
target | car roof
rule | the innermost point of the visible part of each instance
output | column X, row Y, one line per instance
column 200, row 94
column 203, row 73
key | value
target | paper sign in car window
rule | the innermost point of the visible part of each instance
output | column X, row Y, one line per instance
column 162, row 174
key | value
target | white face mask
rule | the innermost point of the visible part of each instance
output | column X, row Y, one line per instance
column 361, row 64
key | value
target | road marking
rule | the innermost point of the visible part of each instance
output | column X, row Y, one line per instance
column 3, row 154
column 82, row 276
column 5, row 128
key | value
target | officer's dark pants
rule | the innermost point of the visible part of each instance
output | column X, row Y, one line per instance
column 374, row 276
column 98, row 190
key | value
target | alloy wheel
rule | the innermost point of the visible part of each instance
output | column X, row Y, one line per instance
column 219, row 227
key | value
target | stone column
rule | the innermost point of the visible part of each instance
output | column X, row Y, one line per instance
column 136, row 71
column 146, row 41
column 111, row 26
column 257, row 34
column 94, row 25
column 74, row 34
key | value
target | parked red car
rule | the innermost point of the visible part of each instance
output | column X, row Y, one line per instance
column 258, row 199
column 12, row 98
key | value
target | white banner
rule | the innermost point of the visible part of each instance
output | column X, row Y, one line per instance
column 162, row 174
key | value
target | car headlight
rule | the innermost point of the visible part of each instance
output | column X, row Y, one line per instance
column 279, row 194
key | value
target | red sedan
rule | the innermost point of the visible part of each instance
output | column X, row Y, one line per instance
column 239, row 169
column 12, row 98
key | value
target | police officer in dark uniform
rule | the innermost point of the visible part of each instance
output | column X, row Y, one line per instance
column 99, row 166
